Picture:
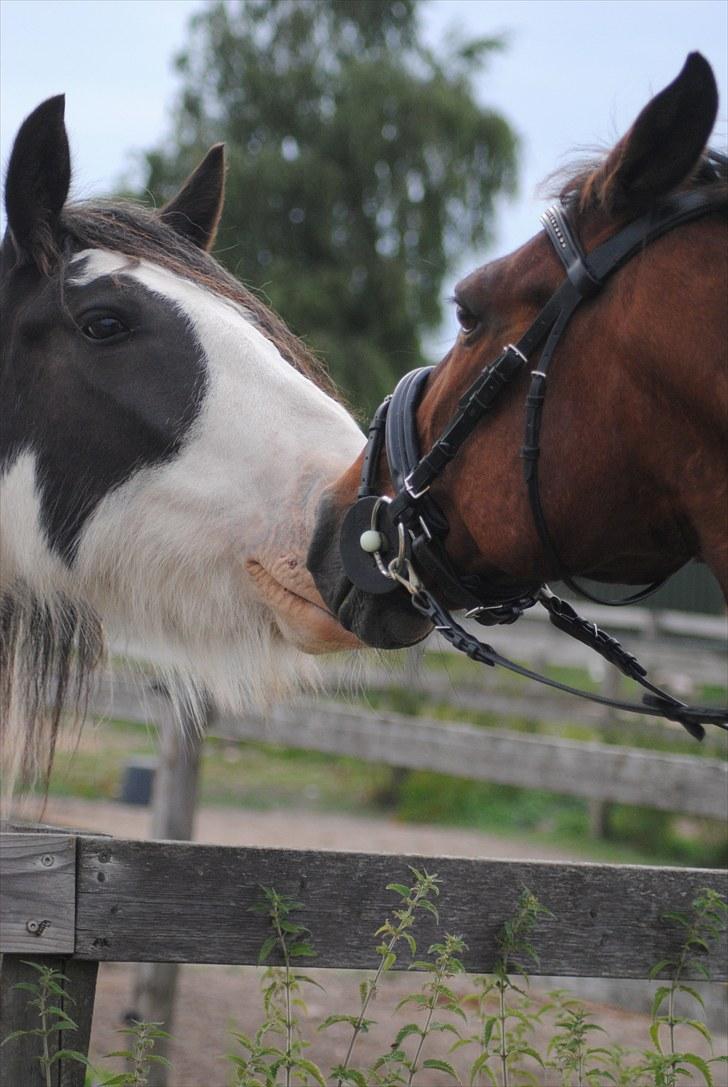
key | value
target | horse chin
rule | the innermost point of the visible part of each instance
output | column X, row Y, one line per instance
column 381, row 622
column 300, row 615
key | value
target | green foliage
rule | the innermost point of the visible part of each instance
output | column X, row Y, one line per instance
column 394, row 931
column 360, row 168
column 278, row 1045
column 47, row 996
column 139, row 1055
column 580, row 1064
column 699, row 928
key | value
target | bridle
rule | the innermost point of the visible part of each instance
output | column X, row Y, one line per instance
column 386, row 543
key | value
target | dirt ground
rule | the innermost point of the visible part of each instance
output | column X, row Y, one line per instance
column 212, row 1000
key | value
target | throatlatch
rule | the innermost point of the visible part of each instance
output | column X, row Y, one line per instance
column 387, row 543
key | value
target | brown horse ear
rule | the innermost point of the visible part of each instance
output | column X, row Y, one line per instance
column 195, row 211
column 665, row 143
column 37, row 183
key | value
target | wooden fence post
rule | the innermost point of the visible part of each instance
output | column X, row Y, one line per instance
column 37, row 915
column 174, row 803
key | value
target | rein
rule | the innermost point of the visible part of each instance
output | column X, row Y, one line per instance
column 386, row 543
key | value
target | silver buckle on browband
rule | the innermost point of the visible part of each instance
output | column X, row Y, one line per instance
column 512, row 347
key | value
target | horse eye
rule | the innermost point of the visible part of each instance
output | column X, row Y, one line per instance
column 468, row 321
column 104, row 327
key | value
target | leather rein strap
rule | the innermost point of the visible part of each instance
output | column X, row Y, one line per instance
column 386, row 543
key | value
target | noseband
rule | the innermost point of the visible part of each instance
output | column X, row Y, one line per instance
column 387, row 543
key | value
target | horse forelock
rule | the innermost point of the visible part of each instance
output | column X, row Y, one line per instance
column 584, row 185
column 136, row 232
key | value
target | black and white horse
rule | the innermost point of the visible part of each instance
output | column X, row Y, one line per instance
column 165, row 440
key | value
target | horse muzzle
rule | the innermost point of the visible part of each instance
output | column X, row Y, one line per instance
column 381, row 620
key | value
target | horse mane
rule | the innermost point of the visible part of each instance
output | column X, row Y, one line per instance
column 138, row 232
column 585, row 185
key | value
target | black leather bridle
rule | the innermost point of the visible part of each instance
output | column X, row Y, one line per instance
column 386, row 543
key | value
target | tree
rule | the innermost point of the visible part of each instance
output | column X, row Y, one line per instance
column 360, row 168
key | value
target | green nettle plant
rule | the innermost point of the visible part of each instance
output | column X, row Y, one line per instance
column 395, row 930
column 139, row 1055
column 499, row 1019
column 278, row 1046
column 580, row 1064
column 47, row 997
column 505, row 1013
column 667, row 1063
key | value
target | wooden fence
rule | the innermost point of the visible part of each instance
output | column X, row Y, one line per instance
column 161, row 903
column 687, row 784
column 74, row 900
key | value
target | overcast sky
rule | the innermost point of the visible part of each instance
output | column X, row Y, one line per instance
column 575, row 74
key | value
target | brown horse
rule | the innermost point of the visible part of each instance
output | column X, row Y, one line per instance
column 634, row 441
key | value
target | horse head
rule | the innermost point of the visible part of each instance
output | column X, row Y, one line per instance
column 633, row 441
column 165, row 443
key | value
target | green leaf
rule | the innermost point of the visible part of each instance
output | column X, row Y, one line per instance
column 441, row 1066
column 406, row 1031
column 18, row 1034
column 302, row 950
column 527, row 1051
column 400, row 889
column 349, row 1075
column 700, row 1064
column 267, row 946
column 352, row 1020
column 430, row 907
column 488, row 1028
column 659, row 967
column 655, row 1036
column 480, row 1064
column 311, row 1068
column 660, row 995
column 309, row 981
column 701, row 1028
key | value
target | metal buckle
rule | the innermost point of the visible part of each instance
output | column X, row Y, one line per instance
column 512, row 347
column 409, row 580
column 408, row 487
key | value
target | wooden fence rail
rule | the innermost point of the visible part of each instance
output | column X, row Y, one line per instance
column 677, row 783
column 135, row 901
column 686, row 784
column 77, row 900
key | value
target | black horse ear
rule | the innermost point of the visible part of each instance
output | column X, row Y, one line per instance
column 196, row 209
column 37, row 182
column 665, row 143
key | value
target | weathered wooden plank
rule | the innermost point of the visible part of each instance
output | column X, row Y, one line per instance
column 179, row 902
column 37, row 893
column 19, row 1064
column 683, row 783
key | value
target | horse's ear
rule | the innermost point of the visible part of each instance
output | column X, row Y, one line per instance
column 37, row 182
column 665, row 143
column 196, row 209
